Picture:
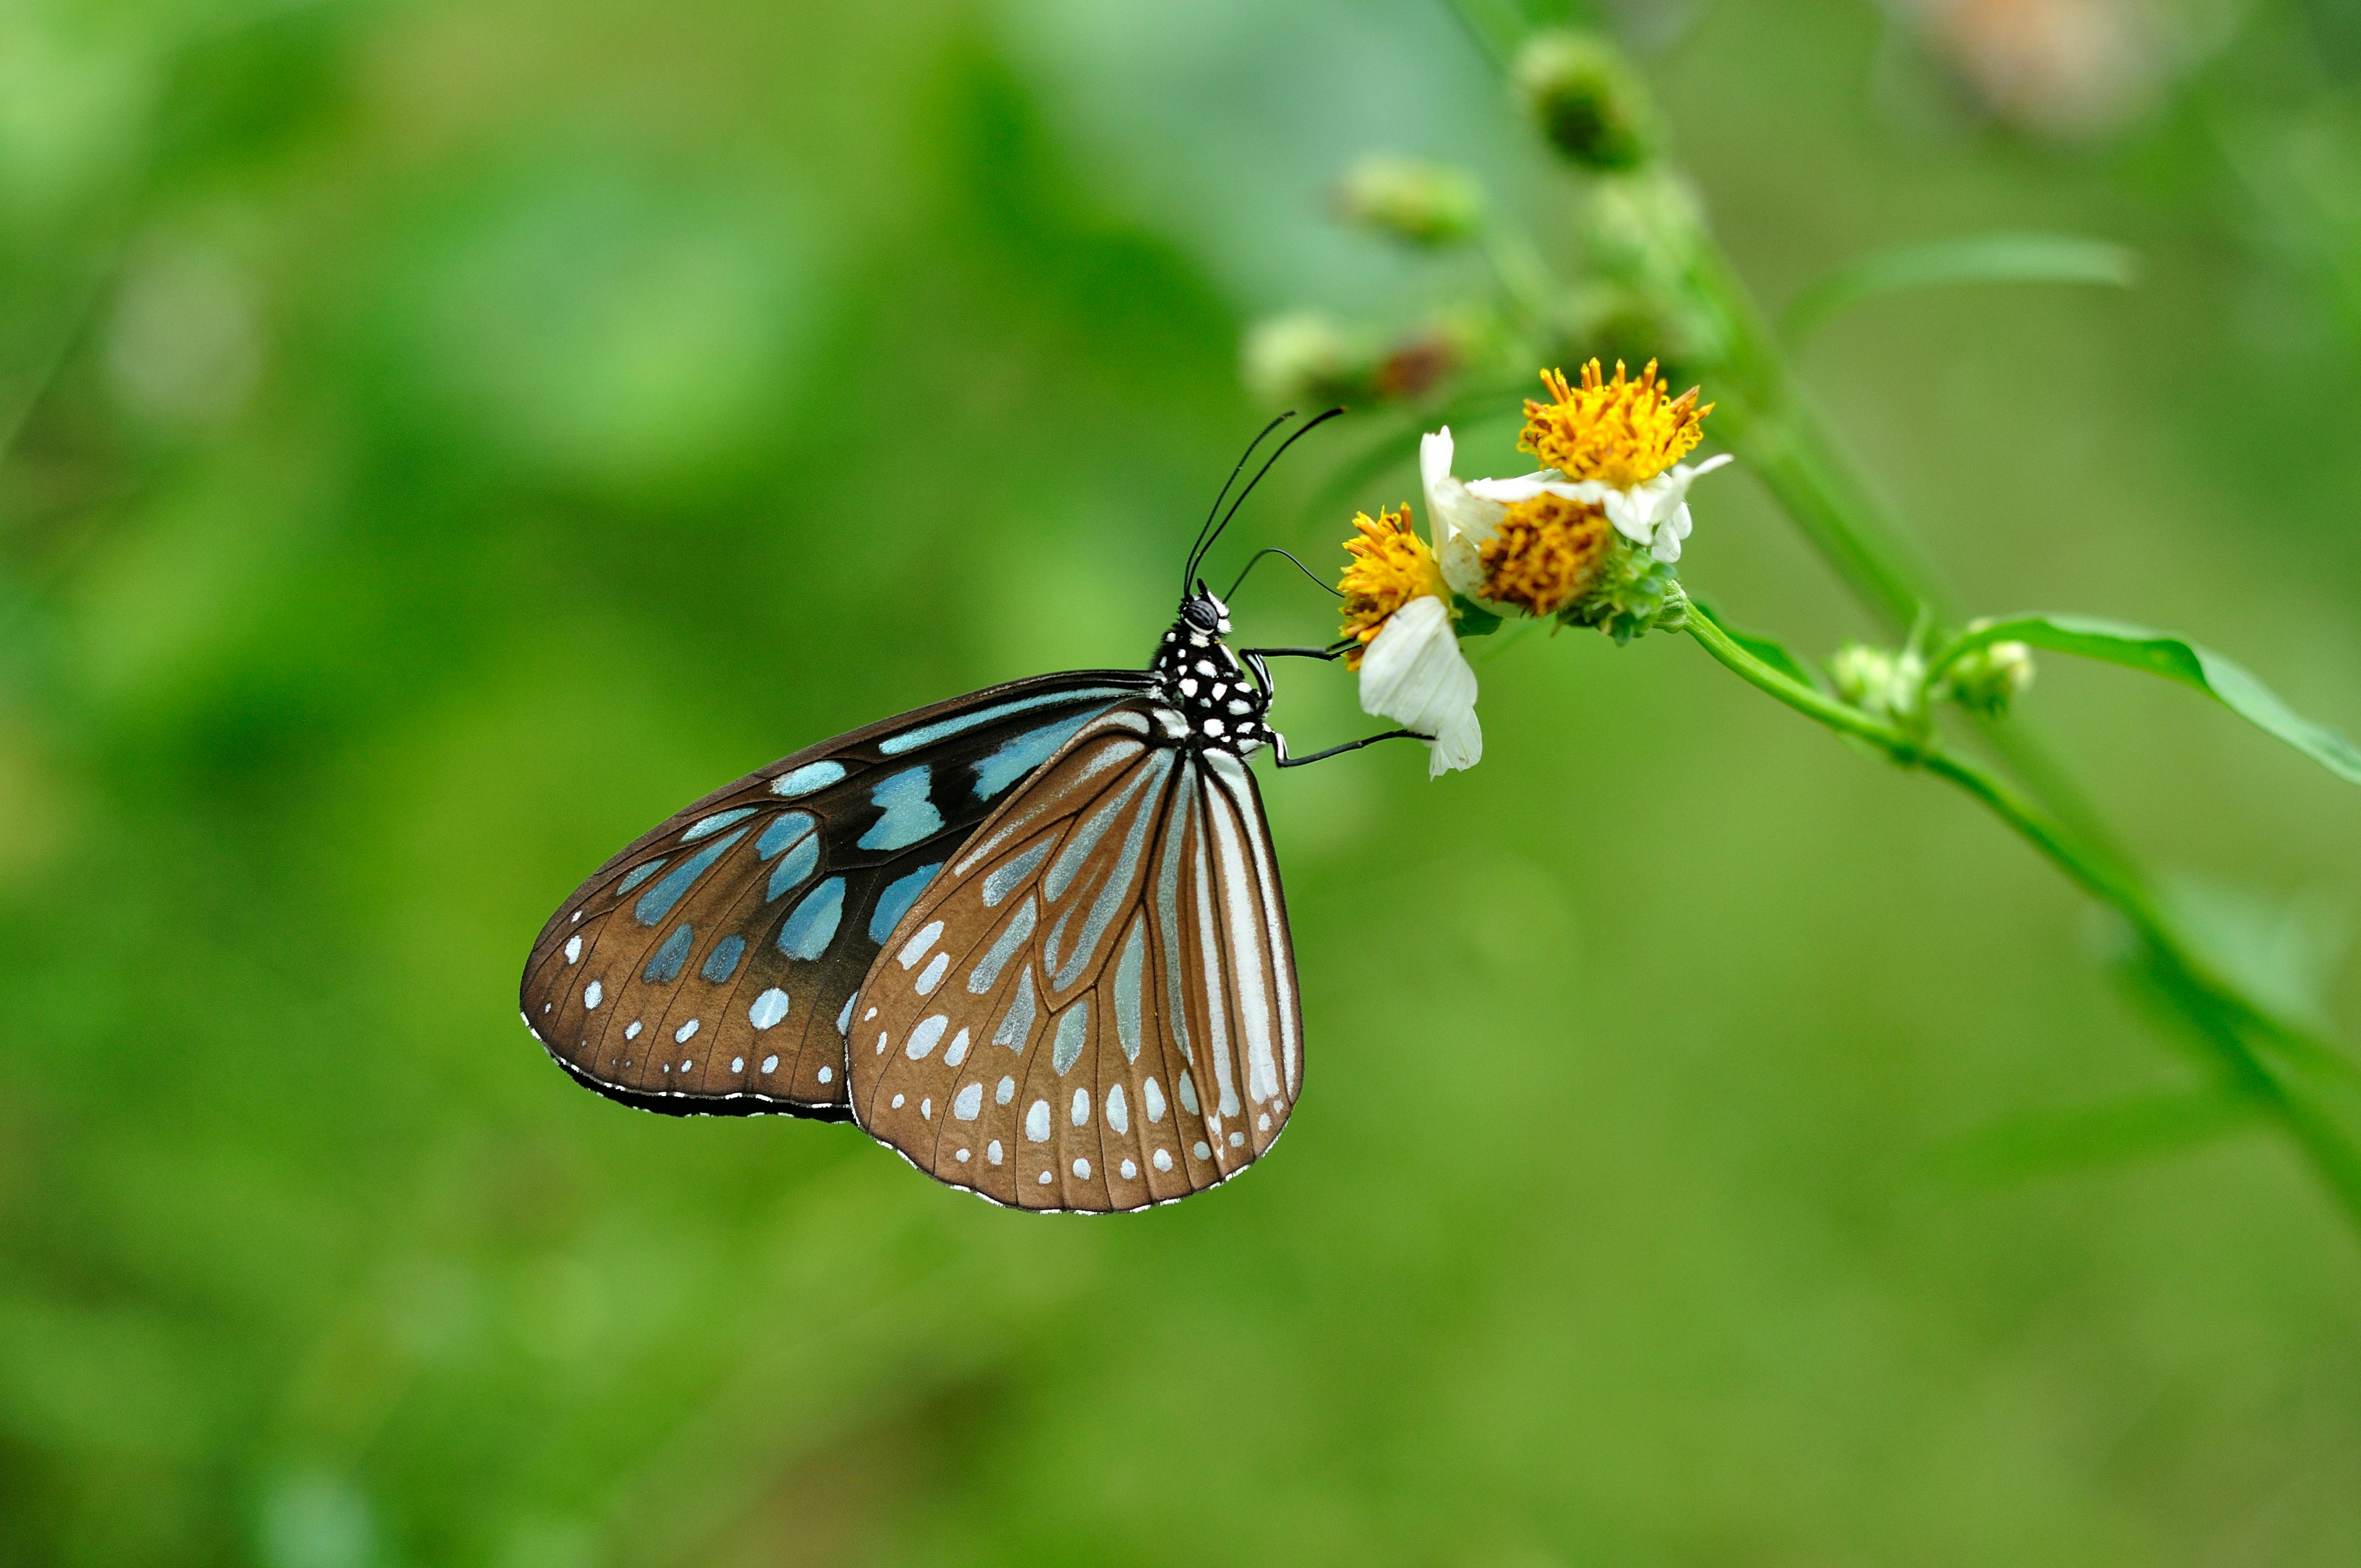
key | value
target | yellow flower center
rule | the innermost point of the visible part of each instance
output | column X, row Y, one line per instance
column 1622, row 432
column 1544, row 552
column 1390, row 566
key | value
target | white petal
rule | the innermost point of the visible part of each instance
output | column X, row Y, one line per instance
column 1433, row 462
column 1414, row 675
column 1452, row 514
column 1522, row 488
column 1463, row 564
column 1633, row 513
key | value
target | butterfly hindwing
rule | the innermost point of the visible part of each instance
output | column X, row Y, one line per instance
column 1094, row 1005
column 706, row 968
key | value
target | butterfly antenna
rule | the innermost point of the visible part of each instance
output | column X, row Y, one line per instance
column 1274, row 550
column 1298, row 433
column 1197, row 547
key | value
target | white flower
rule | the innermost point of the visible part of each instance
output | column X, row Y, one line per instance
column 1460, row 522
column 1655, row 514
column 1414, row 675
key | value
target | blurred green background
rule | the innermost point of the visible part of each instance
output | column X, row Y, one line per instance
column 443, row 438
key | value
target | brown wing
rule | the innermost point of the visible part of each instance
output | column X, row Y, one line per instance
column 707, row 968
column 1094, row 1005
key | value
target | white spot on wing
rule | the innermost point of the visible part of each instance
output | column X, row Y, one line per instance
column 968, row 1103
column 1118, row 1110
column 1037, row 1122
column 1080, row 1112
column 916, row 947
column 933, row 976
column 1154, row 1095
column 592, row 994
column 924, row 1037
column 573, row 947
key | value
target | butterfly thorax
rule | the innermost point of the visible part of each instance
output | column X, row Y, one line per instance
column 1196, row 674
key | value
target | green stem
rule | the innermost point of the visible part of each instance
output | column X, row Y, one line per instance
column 2220, row 1010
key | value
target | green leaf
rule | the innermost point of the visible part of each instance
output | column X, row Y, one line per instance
column 1943, row 263
column 1475, row 621
column 2174, row 658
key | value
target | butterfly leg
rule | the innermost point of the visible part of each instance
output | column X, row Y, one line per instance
column 1278, row 747
column 1334, row 650
column 1261, row 672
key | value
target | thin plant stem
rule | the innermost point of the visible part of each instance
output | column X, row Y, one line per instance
column 2216, row 1006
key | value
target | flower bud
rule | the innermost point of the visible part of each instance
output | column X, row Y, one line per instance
column 1413, row 200
column 1585, row 100
column 1988, row 679
column 1864, row 675
column 1304, row 356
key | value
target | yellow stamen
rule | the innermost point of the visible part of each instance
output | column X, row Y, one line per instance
column 1622, row 432
column 1544, row 552
column 1392, row 566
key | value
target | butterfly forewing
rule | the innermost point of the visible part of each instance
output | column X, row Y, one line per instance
column 708, row 967
column 1094, row 1005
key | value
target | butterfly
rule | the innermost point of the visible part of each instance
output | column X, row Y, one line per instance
column 1032, row 938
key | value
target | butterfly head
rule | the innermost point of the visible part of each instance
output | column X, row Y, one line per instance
column 1203, row 614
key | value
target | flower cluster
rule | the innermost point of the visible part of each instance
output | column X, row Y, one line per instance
column 1588, row 539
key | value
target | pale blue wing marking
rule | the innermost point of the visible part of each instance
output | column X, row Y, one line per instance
column 714, row 823
column 768, row 1009
column 1023, row 753
column 1073, row 1033
column 657, row 902
column 943, row 728
column 638, row 874
column 787, row 827
column 807, row 778
column 811, row 925
column 1000, row 879
column 801, row 861
column 909, row 815
column 895, row 901
column 844, row 1019
column 664, row 963
column 722, row 961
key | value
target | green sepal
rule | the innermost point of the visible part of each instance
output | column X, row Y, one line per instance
column 1635, row 593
